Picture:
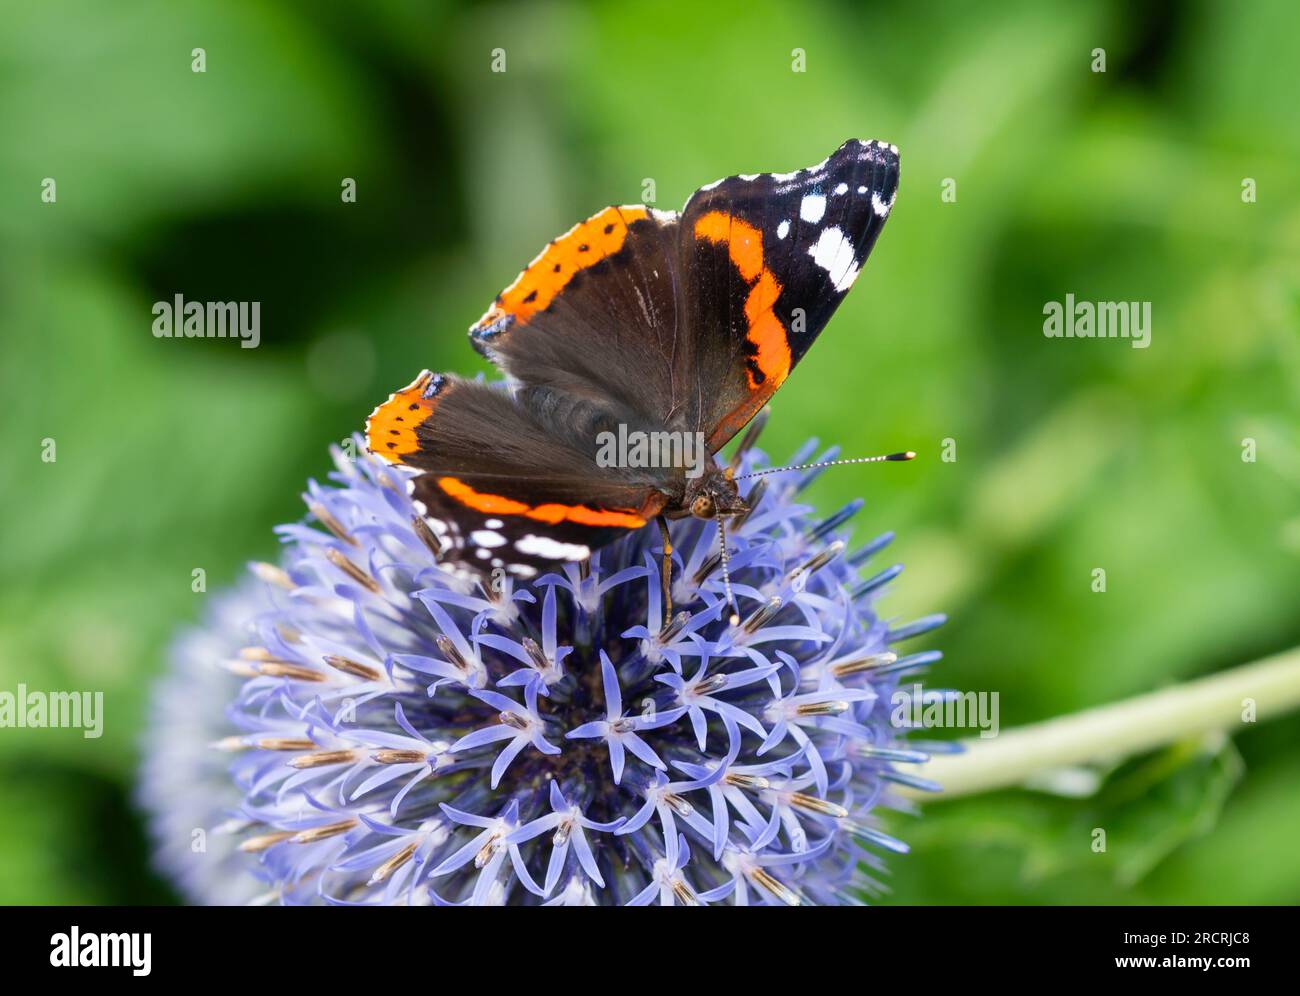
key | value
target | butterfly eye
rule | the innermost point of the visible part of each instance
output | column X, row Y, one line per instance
column 702, row 507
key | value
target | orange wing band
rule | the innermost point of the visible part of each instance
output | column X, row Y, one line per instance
column 390, row 429
column 552, row 513
column 770, row 362
column 584, row 245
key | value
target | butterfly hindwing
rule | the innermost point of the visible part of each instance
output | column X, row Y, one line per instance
column 500, row 487
column 483, row 531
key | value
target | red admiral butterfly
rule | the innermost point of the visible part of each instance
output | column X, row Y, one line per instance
column 635, row 320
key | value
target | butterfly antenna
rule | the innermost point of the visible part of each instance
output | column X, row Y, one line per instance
column 726, row 572
column 907, row 455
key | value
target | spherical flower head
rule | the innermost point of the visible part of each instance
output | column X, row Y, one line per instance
column 411, row 734
column 185, row 786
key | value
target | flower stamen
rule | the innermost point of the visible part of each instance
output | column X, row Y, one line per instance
column 324, row 832
column 812, row 804
column 323, row 758
column 382, row 873
column 352, row 571
column 761, row 615
column 766, row 880
column 271, row 574
column 427, row 536
column 326, row 518
column 283, row 669
column 285, row 743
column 354, row 668
column 391, row 755
column 263, row 841
column 821, row 708
column 845, row 668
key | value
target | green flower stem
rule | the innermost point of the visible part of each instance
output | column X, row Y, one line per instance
column 1114, row 732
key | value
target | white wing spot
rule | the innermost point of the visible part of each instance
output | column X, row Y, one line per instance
column 843, row 188
column 487, row 537
column 812, row 207
column 880, row 206
column 783, row 229
column 549, row 549
column 834, row 254
column 494, row 523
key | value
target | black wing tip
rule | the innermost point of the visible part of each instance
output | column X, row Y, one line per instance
column 872, row 148
column 873, row 161
column 872, row 151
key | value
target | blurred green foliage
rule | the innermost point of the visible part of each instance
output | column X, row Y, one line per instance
column 1072, row 454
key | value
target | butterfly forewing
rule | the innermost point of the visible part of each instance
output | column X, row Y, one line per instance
column 768, row 258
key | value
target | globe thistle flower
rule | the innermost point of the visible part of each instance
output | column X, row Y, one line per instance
column 408, row 734
column 184, row 786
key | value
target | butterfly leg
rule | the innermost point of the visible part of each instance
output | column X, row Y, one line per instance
column 666, row 575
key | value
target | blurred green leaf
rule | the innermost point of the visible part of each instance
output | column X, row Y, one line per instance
column 1052, row 849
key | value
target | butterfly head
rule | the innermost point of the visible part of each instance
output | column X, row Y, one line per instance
column 714, row 495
